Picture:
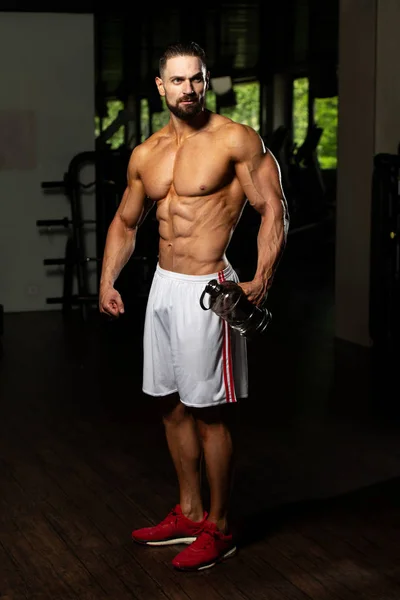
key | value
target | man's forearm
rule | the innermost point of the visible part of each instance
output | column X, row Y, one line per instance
column 271, row 242
column 119, row 247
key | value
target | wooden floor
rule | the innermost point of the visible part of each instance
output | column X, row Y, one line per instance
column 83, row 460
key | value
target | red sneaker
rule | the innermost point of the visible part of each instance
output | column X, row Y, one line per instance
column 174, row 529
column 211, row 546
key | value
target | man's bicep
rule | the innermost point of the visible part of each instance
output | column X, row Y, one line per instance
column 133, row 204
column 269, row 175
column 259, row 175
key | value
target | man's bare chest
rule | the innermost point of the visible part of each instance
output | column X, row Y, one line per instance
column 191, row 170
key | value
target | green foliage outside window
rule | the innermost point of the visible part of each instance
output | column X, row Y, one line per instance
column 113, row 107
column 325, row 116
column 246, row 111
column 300, row 110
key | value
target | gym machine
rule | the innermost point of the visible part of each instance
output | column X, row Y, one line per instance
column 306, row 179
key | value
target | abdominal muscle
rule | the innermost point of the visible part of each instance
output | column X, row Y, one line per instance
column 195, row 232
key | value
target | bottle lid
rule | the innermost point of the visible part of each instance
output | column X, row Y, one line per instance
column 213, row 288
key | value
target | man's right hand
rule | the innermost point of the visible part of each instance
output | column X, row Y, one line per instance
column 110, row 302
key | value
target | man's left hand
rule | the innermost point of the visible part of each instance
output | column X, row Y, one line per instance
column 255, row 290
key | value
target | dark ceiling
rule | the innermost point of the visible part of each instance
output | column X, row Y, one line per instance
column 253, row 38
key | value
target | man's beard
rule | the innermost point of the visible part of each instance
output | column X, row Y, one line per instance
column 186, row 112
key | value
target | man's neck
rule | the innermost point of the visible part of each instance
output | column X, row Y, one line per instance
column 183, row 129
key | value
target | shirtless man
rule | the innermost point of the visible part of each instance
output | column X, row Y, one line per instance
column 200, row 169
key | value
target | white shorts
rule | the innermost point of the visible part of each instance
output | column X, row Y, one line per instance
column 190, row 350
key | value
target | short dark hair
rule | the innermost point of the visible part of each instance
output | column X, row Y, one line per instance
column 181, row 49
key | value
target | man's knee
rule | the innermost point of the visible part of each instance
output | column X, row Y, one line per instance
column 214, row 419
column 172, row 410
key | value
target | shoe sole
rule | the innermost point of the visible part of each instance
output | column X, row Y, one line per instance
column 186, row 540
column 228, row 554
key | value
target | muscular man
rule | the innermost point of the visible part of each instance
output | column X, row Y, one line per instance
column 200, row 170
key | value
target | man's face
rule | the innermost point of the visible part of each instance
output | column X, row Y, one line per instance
column 184, row 86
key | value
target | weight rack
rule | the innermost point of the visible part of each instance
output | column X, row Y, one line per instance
column 74, row 260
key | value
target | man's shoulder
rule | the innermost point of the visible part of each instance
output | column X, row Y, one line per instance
column 143, row 150
column 233, row 131
column 150, row 143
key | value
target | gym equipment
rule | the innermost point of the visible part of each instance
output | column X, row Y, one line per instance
column 384, row 322
column 306, row 179
column 302, row 178
column 110, row 168
column 280, row 146
column 65, row 222
column 74, row 259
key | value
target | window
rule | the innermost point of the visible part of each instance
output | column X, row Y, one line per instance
column 300, row 110
column 326, row 117
column 247, row 109
column 144, row 119
column 113, row 108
